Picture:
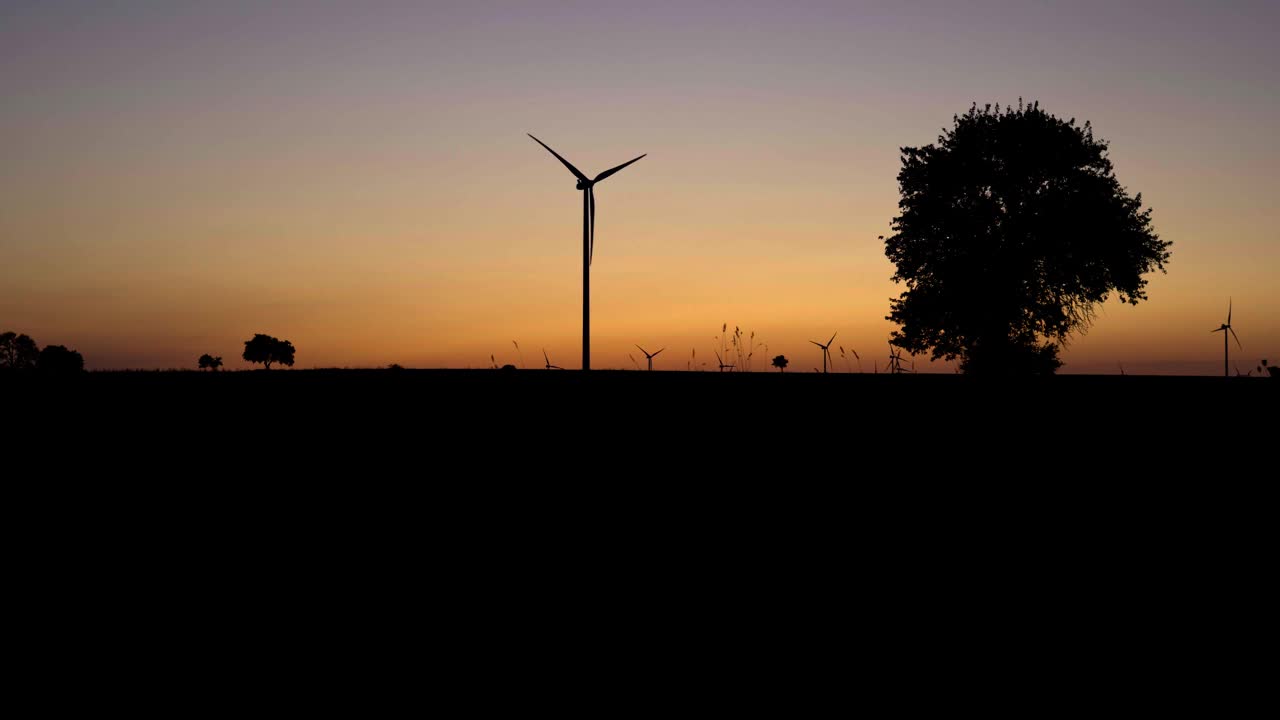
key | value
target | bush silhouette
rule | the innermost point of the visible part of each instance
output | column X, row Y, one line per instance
column 780, row 362
column 266, row 350
column 57, row 358
column 1013, row 228
column 210, row 362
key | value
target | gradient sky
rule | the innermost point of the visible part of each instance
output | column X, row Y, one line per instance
column 355, row 176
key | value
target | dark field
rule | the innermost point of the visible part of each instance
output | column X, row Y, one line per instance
column 1102, row 501
column 859, row 420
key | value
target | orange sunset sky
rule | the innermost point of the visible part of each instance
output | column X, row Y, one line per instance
column 356, row 178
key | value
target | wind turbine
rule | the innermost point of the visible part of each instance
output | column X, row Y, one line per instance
column 649, row 356
column 826, row 352
column 722, row 363
column 588, row 240
column 1224, row 329
column 548, row 361
column 895, row 360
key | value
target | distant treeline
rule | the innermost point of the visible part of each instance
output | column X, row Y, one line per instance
column 20, row 352
column 261, row 349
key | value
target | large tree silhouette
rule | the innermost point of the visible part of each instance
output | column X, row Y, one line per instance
column 266, row 350
column 1012, row 229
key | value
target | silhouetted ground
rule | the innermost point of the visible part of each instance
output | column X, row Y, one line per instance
column 805, row 452
column 855, row 420
column 889, row 513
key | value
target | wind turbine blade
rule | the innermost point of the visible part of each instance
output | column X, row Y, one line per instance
column 646, row 352
column 544, row 356
column 1237, row 337
column 1228, row 311
column 815, row 342
column 833, row 338
column 656, row 354
column 578, row 174
column 591, row 249
column 611, row 171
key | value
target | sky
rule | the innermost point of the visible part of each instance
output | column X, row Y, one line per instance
column 355, row 176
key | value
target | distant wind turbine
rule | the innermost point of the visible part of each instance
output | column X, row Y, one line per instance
column 722, row 363
column 826, row 351
column 1224, row 329
column 649, row 356
column 895, row 360
column 588, row 240
column 548, row 361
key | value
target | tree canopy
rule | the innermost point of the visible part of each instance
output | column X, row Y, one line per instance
column 266, row 350
column 209, row 362
column 18, row 352
column 57, row 358
column 1013, row 227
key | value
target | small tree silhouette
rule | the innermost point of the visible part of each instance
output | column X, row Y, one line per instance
column 780, row 362
column 266, row 350
column 57, row 358
column 18, row 352
column 210, row 362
